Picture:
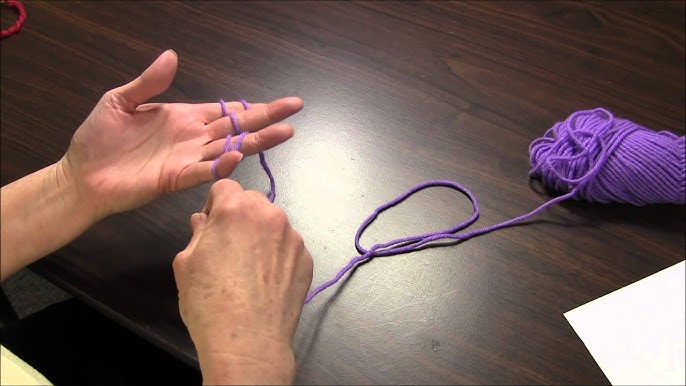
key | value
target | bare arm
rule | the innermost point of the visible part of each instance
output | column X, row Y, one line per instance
column 40, row 213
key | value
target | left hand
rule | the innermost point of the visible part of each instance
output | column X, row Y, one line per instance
column 127, row 153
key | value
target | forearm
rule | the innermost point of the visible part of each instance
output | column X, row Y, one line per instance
column 40, row 213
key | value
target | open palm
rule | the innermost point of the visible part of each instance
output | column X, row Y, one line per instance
column 127, row 153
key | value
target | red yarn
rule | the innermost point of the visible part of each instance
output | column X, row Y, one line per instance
column 20, row 18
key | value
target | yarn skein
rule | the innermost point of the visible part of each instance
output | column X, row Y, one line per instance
column 590, row 156
column 608, row 159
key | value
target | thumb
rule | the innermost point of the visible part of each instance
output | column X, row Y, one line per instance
column 153, row 81
column 198, row 222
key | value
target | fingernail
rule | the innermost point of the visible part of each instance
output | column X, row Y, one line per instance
column 174, row 52
column 240, row 158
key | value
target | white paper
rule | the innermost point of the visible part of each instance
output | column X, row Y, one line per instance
column 637, row 333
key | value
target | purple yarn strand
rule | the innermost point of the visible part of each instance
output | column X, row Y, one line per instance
column 234, row 123
column 265, row 166
column 239, row 141
column 214, row 168
column 398, row 246
column 222, row 104
column 272, row 183
column 591, row 156
column 227, row 144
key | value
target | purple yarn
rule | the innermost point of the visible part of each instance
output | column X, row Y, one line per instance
column 608, row 159
column 236, row 146
column 591, row 156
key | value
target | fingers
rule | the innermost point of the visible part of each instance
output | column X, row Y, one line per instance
column 210, row 112
column 257, row 117
column 219, row 191
column 153, row 81
column 252, row 143
column 198, row 222
column 202, row 172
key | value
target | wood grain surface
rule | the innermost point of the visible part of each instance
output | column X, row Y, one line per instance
column 395, row 93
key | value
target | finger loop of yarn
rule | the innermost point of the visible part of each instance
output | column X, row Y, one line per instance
column 227, row 143
column 234, row 122
column 237, row 146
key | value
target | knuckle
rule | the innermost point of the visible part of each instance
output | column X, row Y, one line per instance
column 228, row 207
column 278, row 216
column 257, row 139
column 258, row 201
column 297, row 239
column 254, row 195
column 113, row 99
column 223, row 186
column 308, row 265
column 180, row 261
column 109, row 98
column 109, row 95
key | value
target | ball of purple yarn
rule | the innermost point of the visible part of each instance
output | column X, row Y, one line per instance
column 606, row 159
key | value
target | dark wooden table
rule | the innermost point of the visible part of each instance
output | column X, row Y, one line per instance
column 395, row 94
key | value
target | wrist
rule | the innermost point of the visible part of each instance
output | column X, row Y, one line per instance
column 247, row 361
column 41, row 213
column 66, row 180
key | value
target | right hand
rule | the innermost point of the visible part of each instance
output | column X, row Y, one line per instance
column 242, row 281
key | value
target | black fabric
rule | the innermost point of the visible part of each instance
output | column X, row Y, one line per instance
column 71, row 344
column 7, row 313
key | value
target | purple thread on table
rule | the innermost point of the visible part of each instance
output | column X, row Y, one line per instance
column 237, row 145
column 591, row 156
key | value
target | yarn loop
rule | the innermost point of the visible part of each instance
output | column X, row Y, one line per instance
column 237, row 145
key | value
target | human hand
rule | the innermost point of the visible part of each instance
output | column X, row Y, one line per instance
column 242, row 281
column 127, row 153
